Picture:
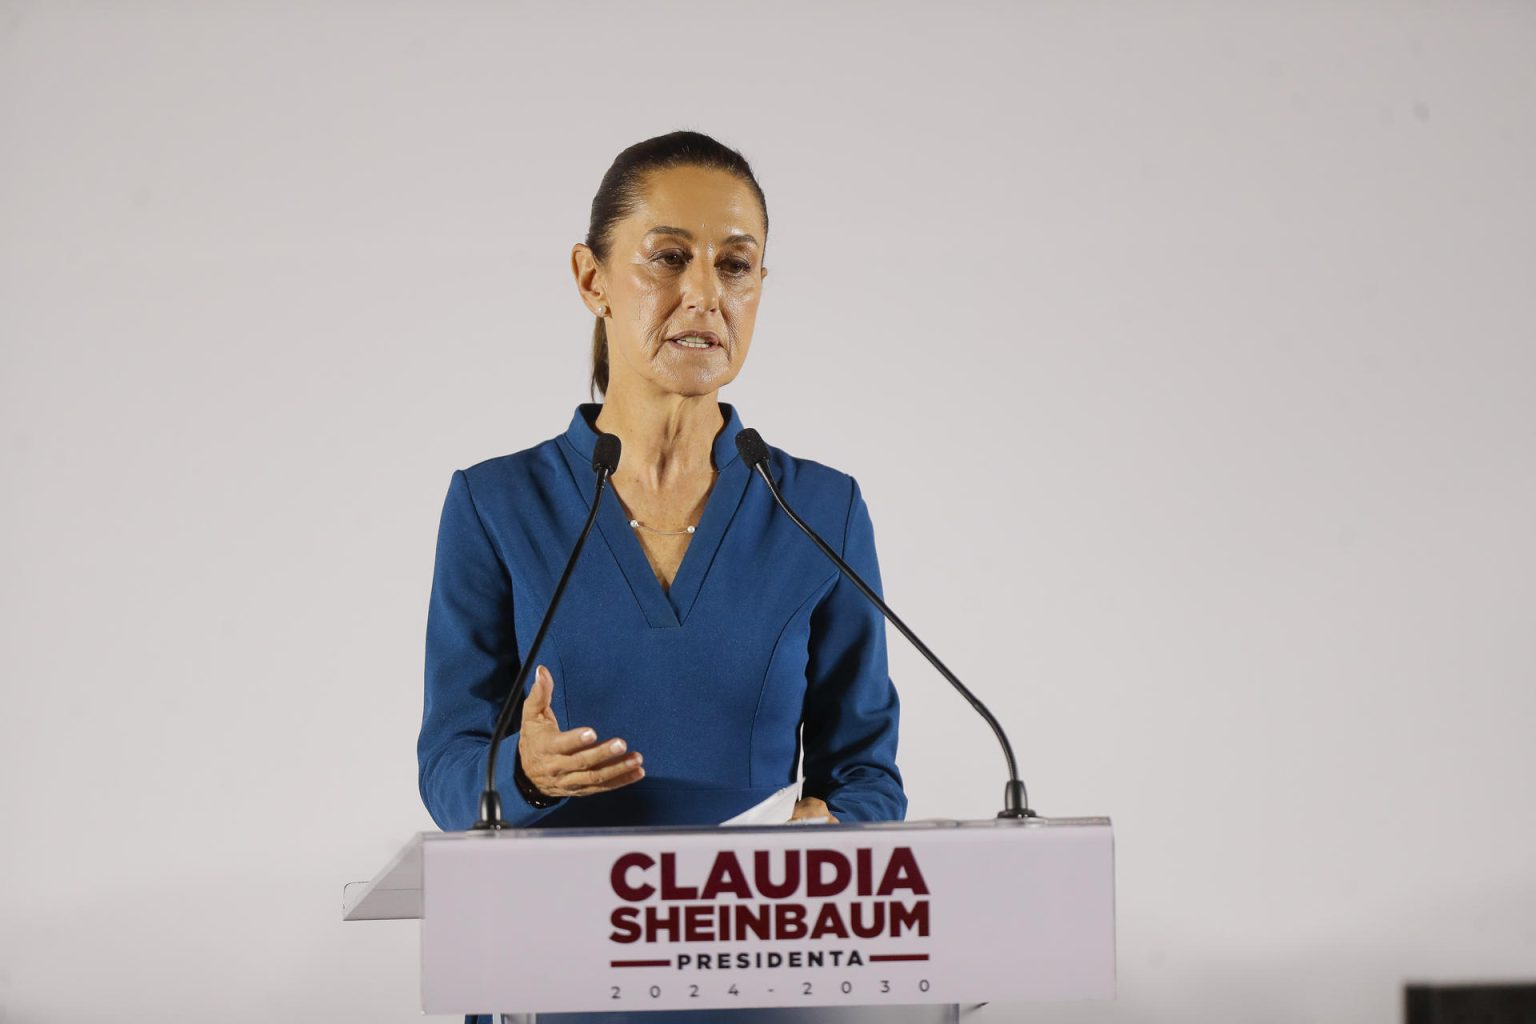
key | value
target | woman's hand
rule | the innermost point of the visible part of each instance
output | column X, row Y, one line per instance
column 569, row 763
column 811, row 807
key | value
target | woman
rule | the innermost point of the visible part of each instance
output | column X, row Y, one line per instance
column 701, row 630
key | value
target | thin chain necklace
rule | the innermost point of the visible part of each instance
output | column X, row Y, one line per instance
column 638, row 525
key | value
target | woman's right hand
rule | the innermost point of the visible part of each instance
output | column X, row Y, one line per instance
column 572, row 762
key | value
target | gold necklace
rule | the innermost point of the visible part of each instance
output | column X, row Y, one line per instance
column 638, row 525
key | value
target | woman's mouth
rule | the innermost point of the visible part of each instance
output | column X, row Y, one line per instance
column 695, row 342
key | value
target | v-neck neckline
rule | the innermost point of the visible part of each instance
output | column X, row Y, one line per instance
column 663, row 607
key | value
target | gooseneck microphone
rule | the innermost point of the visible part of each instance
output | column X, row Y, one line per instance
column 754, row 452
column 605, row 460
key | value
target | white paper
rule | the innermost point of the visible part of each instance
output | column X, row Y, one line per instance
column 775, row 810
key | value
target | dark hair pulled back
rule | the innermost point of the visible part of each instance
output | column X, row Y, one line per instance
column 621, row 192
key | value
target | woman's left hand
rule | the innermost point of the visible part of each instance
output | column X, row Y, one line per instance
column 812, row 807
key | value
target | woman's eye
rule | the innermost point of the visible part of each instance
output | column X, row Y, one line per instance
column 675, row 259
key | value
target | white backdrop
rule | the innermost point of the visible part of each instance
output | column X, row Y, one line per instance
column 1184, row 353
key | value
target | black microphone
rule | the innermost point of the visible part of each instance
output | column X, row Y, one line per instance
column 605, row 460
column 754, row 452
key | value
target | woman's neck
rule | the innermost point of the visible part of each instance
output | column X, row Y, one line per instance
column 666, row 439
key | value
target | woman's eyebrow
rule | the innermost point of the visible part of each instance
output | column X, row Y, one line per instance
column 685, row 233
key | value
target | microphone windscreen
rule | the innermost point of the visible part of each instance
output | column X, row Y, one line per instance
column 752, row 447
column 605, row 453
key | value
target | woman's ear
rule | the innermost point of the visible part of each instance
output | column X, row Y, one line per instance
column 585, row 269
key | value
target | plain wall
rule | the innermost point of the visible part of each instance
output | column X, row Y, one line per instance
column 1183, row 351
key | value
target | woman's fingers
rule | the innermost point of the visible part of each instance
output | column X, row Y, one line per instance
column 569, row 742
column 812, row 807
column 540, row 694
column 569, row 762
column 598, row 780
column 618, row 782
column 591, row 771
column 595, row 756
column 586, row 781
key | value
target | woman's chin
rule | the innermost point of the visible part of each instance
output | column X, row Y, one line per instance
column 698, row 383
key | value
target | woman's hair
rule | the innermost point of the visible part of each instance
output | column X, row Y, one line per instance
column 621, row 192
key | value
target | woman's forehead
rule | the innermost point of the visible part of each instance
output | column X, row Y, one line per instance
column 698, row 202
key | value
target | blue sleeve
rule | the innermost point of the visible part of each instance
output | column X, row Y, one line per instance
column 472, row 660
column 851, row 707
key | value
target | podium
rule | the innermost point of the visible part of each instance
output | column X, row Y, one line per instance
column 907, row 920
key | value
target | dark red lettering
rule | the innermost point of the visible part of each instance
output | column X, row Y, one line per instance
column 621, row 886
column 625, row 926
column 726, row 876
column 754, row 918
column 657, row 922
column 670, row 890
column 865, row 871
column 876, row 924
column 816, row 882
column 698, row 925
column 789, row 921
column 913, row 916
column 763, row 877
column 902, row 873
column 829, row 922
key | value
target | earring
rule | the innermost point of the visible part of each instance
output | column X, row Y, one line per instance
column 602, row 310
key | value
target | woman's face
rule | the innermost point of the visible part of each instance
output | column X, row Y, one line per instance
column 687, row 261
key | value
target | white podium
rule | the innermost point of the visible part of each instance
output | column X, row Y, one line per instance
column 906, row 920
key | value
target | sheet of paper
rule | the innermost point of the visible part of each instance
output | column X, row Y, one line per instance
column 775, row 810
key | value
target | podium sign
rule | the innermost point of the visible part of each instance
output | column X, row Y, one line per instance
column 894, row 914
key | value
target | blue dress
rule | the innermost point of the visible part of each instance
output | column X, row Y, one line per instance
column 710, row 679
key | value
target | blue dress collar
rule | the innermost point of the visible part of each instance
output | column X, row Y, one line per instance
column 669, row 608
column 583, row 435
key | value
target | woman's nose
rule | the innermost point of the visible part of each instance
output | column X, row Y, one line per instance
column 702, row 286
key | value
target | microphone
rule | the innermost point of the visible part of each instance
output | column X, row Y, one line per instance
column 605, row 460
column 754, row 452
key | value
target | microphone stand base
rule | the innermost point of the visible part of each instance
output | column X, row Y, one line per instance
column 1016, row 802
column 490, row 813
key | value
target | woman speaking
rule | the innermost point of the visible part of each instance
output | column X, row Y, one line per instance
column 704, row 646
